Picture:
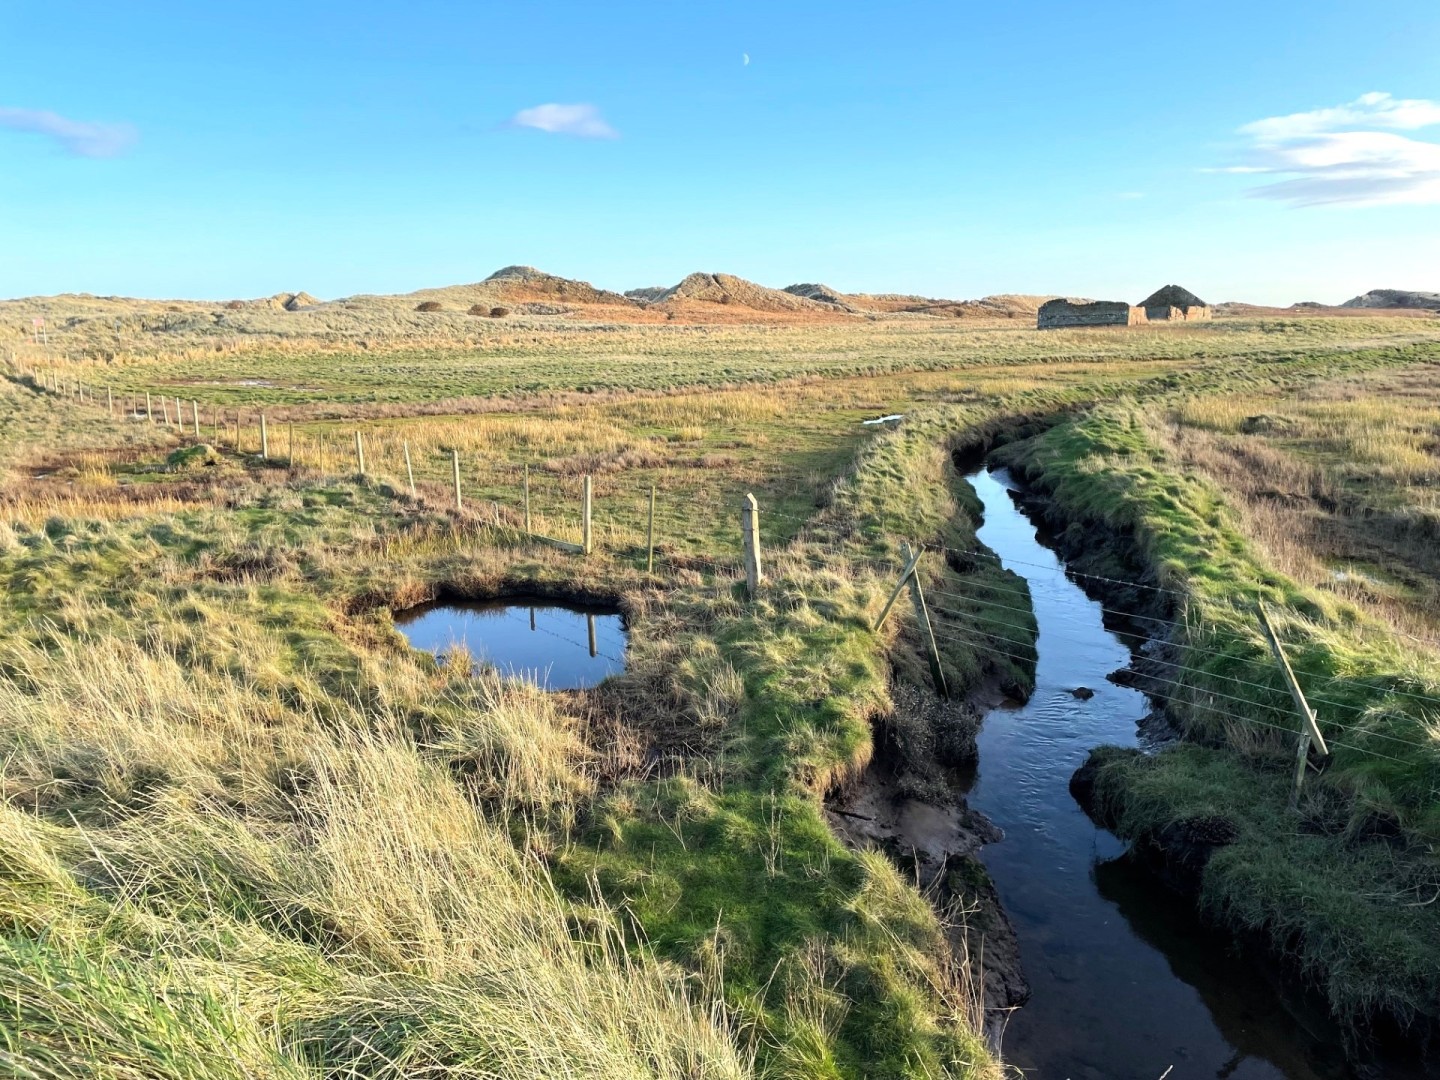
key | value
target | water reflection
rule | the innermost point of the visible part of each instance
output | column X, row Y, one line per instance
column 1126, row 981
column 561, row 646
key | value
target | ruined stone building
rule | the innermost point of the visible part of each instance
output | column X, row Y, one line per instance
column 1070, row 312
column 1174, row 304
column 1170, row 304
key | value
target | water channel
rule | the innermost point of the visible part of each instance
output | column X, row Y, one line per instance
column 560, row 646
column 1126, row 981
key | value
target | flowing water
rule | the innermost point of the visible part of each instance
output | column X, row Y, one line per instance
column 560, row 646
column 1126, row 981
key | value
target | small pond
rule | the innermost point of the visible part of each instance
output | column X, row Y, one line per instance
column 560, row 646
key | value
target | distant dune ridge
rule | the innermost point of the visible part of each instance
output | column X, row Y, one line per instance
column 1395, row 298
column 529, row 295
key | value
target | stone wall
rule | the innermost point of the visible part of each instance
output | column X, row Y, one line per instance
column 1177, row 314
column 1058, row 313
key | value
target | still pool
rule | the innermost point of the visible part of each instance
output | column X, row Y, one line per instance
column 560, row 646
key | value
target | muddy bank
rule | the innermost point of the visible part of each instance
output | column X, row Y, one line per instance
column 920, row 819
column 1175, row 841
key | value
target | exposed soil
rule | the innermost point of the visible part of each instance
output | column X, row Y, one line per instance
column 937, row 838
column 1178, row 853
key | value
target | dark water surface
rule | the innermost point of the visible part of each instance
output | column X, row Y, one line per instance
column 1126, row 981
column 560, row 646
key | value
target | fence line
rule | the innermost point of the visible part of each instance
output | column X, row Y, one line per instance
column 327, row 451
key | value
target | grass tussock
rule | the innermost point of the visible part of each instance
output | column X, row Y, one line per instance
column 249, row 833
column 216, row 884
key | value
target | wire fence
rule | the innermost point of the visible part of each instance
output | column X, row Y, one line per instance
column 551, row 503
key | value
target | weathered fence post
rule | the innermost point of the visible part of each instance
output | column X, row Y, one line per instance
column 290, row 454
column 1309, row 726
column 265, row 440
column 149, row 408
column 110, row 400
column 455, row 472
column 911, row 561
column 359, row 453
column 650, row 535
column 409, row 471
column 922, row 616
column 750, row 535
column 587, row 522
column 527, row 498
column 195, row 415
column 165, row 411
column 237, row 431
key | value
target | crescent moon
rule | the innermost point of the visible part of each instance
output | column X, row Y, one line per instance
column 745, row 59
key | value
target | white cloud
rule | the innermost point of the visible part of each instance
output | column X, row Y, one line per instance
column 81, row 137
column 582, row 121
column 1373, row 110
column 1335, row 155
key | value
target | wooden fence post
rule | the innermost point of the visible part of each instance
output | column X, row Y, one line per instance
column 237, row 431
column 149, row 409
column 910, row 563
column 195, row 415
column 587, row 523
column 527, row 498
column 290, row 454
column 750, row 535
column 1309, row 726
column 110, row 400
column 409, row 471
column 265, row 440
column 650, row 535
column 165, row 410
column 455, row 473
column 359, row 453
column 922, row 616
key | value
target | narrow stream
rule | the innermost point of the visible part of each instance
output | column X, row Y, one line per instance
column 1126, row 981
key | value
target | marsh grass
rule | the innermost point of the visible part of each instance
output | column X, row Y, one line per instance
column 250, row 833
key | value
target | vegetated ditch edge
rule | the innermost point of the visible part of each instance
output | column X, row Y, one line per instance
column 1179, row 838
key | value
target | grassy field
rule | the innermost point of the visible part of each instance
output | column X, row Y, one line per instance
column 578, row 362
column 249, row 832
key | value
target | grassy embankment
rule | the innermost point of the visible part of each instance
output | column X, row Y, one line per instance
column 233, row 804
column 1346, row 886
column 266, row 836
column 1338, row 484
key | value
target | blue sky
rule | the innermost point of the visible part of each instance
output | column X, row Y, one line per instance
column 1272, row 152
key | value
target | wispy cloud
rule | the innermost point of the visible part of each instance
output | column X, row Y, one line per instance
column 582, row 121
column 1348, row 154
column 81, row 137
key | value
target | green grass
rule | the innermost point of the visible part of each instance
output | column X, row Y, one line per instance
column 584, row 361
column 1105, row 467
column 1350, row 916
column 1344, row 887
column 257, row 835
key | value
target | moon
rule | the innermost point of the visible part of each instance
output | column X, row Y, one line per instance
column 745, row 59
